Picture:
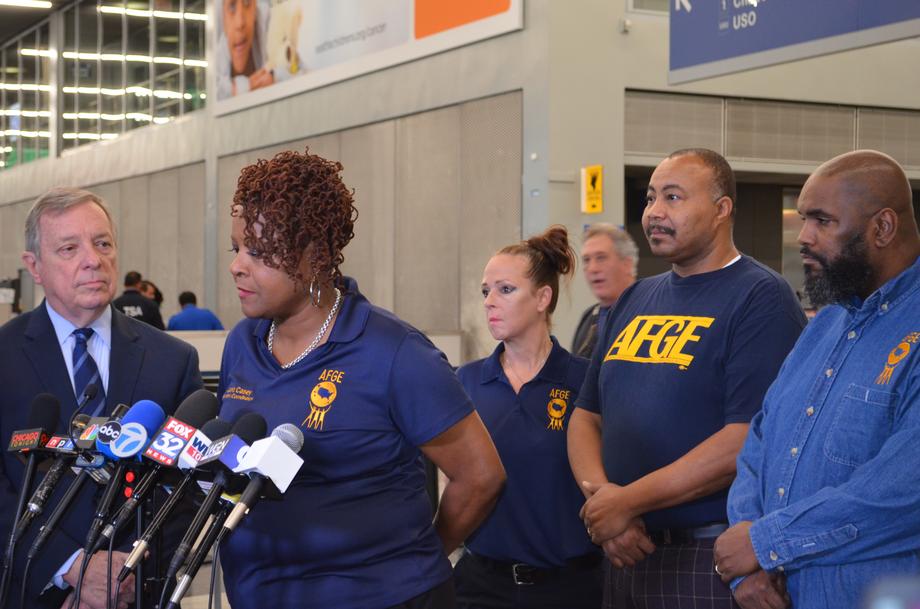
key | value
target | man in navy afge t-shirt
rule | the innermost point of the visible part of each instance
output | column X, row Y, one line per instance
column 684, row 361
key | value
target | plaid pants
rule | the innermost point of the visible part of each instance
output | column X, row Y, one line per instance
column 673, row 577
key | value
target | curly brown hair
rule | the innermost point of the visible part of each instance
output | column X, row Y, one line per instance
column 304, row 209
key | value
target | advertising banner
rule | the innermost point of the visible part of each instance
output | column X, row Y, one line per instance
column 268, row 49
column 715, row 37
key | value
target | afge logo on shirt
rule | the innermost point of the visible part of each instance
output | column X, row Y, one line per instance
column 321, row 398
column 556, row 408
column 658, row 339
column 897, row 354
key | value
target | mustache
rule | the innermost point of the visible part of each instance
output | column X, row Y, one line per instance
column 664, row 229
column 807, row 251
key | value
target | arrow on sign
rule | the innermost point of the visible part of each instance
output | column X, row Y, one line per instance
column 684, row 3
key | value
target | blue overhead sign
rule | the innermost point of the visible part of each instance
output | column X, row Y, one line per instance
column 715, row 37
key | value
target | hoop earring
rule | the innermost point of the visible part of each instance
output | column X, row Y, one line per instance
column 316, row 292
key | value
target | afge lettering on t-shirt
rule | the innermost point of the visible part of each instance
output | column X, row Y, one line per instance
column 169, row 441
column 659, row 339
column 322, row 396
column 555, row 409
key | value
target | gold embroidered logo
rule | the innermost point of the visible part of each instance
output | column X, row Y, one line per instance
column 658, row 339
column 322, row 397
column 556, row 408
column 238, row 393
column 897, row 354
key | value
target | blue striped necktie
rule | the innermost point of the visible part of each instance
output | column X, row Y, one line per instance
column 86, row 372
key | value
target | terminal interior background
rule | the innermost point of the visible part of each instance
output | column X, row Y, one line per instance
column 451, row 155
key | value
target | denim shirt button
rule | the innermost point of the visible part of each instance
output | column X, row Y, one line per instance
column 852, row 334
column 773, row 556
column 794, row 451
column 884, row 306
column 810, row 410
column 780, row 491
column 829, row 372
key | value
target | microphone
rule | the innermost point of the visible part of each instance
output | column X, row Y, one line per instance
column 215, row 428
column 120, row 440
column 221, row 458
column 64, row 447
column 43, row 415
column 85, row 468
column 271, row 462
column 197, row 408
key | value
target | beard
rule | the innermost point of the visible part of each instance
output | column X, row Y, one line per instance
column 848, row 275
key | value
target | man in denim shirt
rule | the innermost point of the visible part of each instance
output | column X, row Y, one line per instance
column 827, row 495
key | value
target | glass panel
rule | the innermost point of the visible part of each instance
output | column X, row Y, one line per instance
column 138, row 93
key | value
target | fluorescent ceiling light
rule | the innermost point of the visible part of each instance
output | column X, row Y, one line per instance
column 194, row 63
column 26, row 113
column 18, row 133
column 26, row 3
column 133, row 12
column 24, row 87
column 90, row 136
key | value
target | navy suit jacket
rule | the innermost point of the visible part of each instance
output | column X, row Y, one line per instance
column 145, row 363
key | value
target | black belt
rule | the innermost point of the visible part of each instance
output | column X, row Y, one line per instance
column 527, row 575
column 670, row 537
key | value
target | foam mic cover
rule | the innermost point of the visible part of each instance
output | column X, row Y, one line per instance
column 129, row 436
column 198, row 408
column 44, row 411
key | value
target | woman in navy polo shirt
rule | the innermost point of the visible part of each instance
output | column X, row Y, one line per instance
column 371, row 394
column 532, row 551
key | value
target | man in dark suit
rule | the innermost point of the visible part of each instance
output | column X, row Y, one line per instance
column 72, row 339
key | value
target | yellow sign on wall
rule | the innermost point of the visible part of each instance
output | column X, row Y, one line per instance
column 592, row 189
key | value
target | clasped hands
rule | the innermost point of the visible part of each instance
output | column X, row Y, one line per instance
column 611, row 524
column 733, row 556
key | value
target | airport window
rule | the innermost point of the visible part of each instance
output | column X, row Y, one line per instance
column 25, row 107
column 122, row 66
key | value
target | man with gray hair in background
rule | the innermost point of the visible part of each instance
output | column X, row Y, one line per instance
column 609, row 258
column 72, row 345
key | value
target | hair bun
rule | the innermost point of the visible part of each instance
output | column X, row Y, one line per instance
column 555, row 247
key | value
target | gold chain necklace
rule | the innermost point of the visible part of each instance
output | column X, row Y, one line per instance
column 315, row 342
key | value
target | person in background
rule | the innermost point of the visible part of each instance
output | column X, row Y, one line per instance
column 191, row 317
column 134, row 304
column 827, row 496
column 609, row 257
column 151, row 291
column 532, row 551
column 371, row 394
column 681, row 367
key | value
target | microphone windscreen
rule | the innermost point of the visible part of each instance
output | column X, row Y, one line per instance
column 200, row 406
column 216, row 428
column 135, row 430
column 290, row 434
column 44, row 412
column 250, row 427
column 89, row 392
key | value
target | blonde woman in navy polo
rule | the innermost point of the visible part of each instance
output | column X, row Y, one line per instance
column 532, row 552
column 371, row 394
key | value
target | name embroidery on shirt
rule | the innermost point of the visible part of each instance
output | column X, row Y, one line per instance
column 658, row 339
column 556, row 408
column 238, row 393
column 897, row 354
column 321, row 398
